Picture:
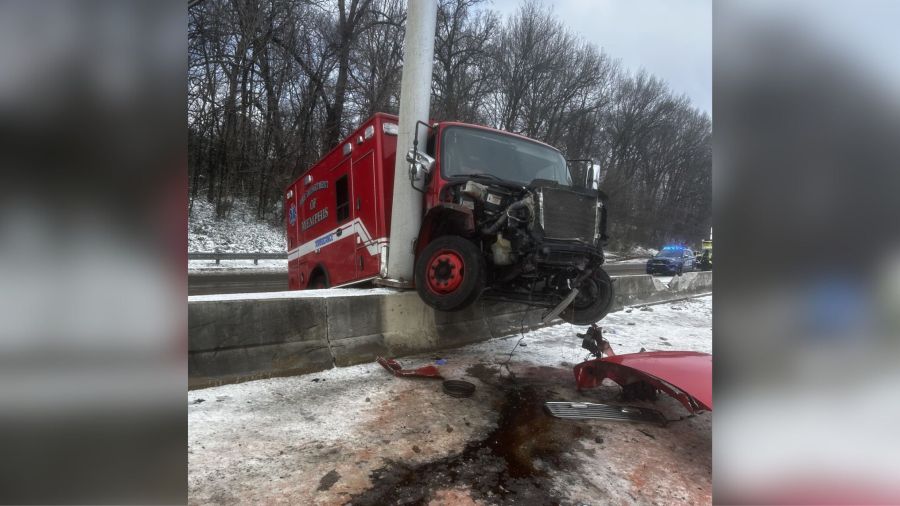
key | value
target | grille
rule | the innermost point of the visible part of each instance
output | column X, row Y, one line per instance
column 587, row 410
column 568, row 216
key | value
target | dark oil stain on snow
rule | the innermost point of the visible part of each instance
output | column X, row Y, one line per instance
column 328, row 480
column 508, row 466
column 484, row 373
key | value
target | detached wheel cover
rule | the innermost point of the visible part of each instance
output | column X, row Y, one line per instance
column 446, row 271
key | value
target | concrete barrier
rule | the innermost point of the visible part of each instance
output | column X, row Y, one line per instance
column 240, row 337
column 691, row 283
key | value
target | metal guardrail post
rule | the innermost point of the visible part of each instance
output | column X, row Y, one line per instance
column 218, row 257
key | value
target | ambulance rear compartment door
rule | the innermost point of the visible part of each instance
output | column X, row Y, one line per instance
column 366, row 212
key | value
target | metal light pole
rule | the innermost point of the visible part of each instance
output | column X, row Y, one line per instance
column 415, row 102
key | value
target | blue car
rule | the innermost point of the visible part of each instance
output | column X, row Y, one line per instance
column 671, row 260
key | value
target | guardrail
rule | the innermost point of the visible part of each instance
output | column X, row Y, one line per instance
column 256, row 257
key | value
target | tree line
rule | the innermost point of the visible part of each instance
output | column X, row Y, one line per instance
column 275, row 84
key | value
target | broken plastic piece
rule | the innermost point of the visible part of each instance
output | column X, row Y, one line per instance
column 591, row 411
column 394, row 367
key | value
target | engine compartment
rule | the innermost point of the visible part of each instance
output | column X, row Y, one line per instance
column 523, row 232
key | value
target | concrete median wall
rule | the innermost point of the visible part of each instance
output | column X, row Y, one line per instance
column 251, row 336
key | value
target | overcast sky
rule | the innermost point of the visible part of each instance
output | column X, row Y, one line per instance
column 671, row 39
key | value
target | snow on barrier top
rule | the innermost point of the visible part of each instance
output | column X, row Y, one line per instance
column 293, row 294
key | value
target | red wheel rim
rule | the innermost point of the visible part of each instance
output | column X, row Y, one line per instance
column 446, row 270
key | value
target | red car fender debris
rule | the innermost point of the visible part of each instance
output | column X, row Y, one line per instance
column 685, row 375
column 394, row 367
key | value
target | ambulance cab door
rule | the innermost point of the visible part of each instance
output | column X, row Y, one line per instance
column 364, row 208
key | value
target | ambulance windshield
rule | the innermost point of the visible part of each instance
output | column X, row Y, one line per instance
column 477, row 152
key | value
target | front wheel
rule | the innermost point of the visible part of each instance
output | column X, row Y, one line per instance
column 593, row 302
column 450, row 273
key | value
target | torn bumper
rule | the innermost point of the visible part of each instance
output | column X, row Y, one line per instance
column 394, row 367
column 685, row 375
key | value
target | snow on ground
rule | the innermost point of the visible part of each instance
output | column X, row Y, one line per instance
column 629, row 261
column 634, row 255
column 240, row 232
column 331, row 436
column 683, row 325
column 204, row 420
column 641, row 251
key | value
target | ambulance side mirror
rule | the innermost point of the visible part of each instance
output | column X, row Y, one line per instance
column 420, row 165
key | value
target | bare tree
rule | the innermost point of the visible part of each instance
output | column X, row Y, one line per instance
column 463, row 74
column 273, row 84
column 377, row 61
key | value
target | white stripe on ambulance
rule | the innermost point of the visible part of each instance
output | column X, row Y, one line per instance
column 355, row 228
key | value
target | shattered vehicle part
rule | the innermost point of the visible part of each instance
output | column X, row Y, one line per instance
column 560, row 307
column 594, row 342
column 394, row 367
column 458, row 388
column 591, row 411
column 684, row 375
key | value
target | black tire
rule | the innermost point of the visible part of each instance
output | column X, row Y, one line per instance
column 594, row 300
column 446, row 292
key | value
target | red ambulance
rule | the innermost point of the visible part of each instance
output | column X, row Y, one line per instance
column 502, row 219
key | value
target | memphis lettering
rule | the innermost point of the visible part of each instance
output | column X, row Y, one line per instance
column 316, row 218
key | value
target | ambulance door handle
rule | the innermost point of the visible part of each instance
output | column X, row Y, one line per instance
column 358, row 200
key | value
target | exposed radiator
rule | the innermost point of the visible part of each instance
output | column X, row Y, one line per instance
column 566, row 215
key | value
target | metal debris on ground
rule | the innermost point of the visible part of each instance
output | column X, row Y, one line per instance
column 553, row 313
column 394, row 367
column 591, row 411
column 594, row 342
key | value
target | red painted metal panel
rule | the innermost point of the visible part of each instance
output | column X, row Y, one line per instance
column 366, row 210
column 688, row 372
column 385, row 172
